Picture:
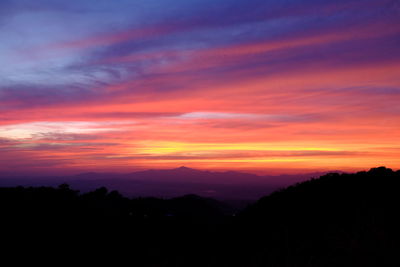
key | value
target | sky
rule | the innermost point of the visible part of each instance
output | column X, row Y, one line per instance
column 264, row 86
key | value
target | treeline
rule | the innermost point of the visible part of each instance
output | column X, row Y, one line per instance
column 335, row 220
column 64, row 202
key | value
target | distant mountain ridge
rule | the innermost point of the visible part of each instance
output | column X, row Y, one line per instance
column 170, row 182
column 183, row 173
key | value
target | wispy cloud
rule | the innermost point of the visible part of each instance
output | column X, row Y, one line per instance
column 34, row 129
column 151, row 83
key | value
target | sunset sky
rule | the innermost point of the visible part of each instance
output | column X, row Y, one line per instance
column 264, row 86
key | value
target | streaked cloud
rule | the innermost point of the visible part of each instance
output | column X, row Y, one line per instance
column 260, row 84
column 34, row 129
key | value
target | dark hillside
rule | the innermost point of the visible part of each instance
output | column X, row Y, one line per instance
column 335, row 220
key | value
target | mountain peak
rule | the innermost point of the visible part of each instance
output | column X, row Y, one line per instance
column 184, row 168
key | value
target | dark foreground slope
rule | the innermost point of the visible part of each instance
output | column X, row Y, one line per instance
column 336, row 220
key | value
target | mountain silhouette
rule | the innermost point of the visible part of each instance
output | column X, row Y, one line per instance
column 338, row 219
column 232, row 186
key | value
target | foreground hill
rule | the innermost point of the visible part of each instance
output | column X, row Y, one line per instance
column 335, row 220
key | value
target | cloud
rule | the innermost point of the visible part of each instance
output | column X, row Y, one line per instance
column 148, row 82
column 5, row 141
column 240, row 155
column 62, row 136
column 246, row 117
column 132, row 115
column 222, row 115
column 60, row 146
column 34, row 129
column 31, row 96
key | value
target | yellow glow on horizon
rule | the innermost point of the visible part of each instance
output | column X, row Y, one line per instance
column 159, row 148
